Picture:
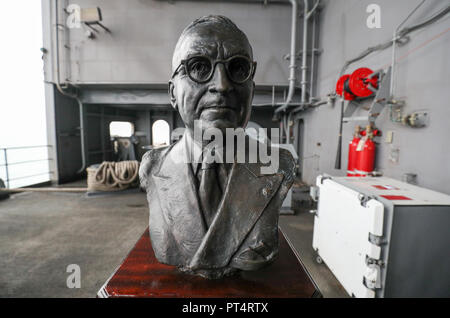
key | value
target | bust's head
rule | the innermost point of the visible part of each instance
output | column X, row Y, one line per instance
column 219, row 94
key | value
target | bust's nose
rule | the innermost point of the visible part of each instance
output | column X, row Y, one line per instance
column 220, row 82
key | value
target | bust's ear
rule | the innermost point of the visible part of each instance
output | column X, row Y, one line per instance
column 253, row 92
column 173, row 99
column 253, row 78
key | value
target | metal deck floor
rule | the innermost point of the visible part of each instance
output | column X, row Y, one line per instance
column 42, row 233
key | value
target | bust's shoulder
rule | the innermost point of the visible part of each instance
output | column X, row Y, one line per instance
column 150, row 162
column 286, row 164
column 281, row 161
column 155, row 154
column 287, row 161
column 285, row 158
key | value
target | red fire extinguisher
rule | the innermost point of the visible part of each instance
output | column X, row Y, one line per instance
column 365, row 154
column 351, row 166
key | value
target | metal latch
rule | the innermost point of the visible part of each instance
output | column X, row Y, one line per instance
column 372, row 276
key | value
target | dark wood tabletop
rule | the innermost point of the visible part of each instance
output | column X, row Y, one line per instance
column 141, row 275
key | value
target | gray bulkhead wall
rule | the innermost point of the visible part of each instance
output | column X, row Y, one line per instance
column 421, row 80
column 144, row 33
column 138, row 51
column 67, row 132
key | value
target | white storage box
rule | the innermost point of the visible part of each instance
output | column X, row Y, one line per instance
column 384, row 238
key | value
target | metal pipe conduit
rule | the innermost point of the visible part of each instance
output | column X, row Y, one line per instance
column 292, row 61
column 313, row 52
column 400, row 35
column 394, row 39
column 61, row 90
column 306, row 15
column 292, row 65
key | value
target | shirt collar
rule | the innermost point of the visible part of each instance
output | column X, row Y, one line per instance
column 194, row 152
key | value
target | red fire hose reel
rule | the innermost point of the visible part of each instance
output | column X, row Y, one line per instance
column 357, row 84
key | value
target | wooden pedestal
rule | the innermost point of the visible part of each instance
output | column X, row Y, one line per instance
column 141, row 275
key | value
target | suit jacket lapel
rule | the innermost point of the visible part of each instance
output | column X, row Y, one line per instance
column 179, row 200
column 238, row 212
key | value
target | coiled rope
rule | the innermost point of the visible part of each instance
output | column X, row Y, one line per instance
column 121, row 175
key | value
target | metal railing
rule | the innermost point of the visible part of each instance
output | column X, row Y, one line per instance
column 6, row 164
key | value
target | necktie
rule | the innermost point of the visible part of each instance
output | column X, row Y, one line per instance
column 212, row 178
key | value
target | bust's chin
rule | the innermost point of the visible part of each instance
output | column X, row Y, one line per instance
column 221, row 124
column 219, row 118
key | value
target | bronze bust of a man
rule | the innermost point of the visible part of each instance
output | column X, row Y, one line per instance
column 213, row 218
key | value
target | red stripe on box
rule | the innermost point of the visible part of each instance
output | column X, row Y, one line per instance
column 395, row 197
column 387, row 187
column 380, row 187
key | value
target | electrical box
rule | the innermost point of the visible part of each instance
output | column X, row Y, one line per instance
column 382, row 237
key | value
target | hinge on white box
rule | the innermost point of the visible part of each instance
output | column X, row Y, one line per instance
column 376, row 240
column 370, row 260
column 363, row 199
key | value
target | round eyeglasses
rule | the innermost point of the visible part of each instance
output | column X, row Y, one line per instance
column 200, row 68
